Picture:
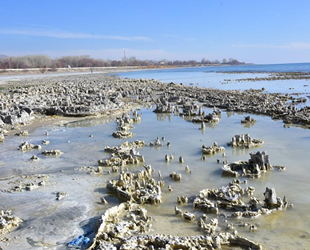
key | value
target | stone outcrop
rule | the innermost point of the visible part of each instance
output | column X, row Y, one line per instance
column 245, row 141
column 231, row 198
column 95, row 94
column 276, row 105
column 140, row 187
column 175, row 176
column 72, row 96
column 257, row 164
column 22, row 133
column 124, row 125
column 26, row 146
column 272, row 201
column 164, row 106
column 248, row 120
column 8, row 222
column 212, row 150
column 213, row 117
column 123, row 155
column 125, row 227
column 274, row 76
column 119, row 223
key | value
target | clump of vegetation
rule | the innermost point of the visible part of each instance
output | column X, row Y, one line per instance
column 45, row 63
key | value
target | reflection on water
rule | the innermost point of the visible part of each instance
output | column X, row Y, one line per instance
column 163, row 116
column 288, row 147
column 88, row 122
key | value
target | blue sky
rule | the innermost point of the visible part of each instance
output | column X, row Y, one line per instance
column 252, row 31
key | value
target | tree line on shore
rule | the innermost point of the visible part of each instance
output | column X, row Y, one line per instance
column 43, row 61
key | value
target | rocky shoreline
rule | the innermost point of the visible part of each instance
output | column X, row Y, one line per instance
column 70, row 96
column 272, row 76
column 89, row 95
column 126, row 226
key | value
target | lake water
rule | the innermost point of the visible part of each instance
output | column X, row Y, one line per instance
column 213, row 77
column 49, row 221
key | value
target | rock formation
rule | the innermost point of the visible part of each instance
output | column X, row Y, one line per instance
column 211, row 150
column 244, row 140
column 140, row 187
column 8, row 222
column 257, row 164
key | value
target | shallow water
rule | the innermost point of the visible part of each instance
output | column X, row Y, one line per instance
column 214, row 77
column 56, row 222
column 52, row 224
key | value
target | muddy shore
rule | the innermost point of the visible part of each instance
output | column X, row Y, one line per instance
column 71, row 98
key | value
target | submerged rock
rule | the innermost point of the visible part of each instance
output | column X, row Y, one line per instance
column 122, row 134
column 156, row 143
column 52, row 152
column 45, row 142
column 34, row 158
column 280, row 168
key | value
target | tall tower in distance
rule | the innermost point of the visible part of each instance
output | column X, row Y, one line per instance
column 124, row 57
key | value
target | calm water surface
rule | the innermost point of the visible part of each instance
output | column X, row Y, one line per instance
column 285, row 146
column 216, row 77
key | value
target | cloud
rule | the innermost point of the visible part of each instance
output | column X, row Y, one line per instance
column 300, row 46
column 181, row 38
column 69, row 35
column 293, row 46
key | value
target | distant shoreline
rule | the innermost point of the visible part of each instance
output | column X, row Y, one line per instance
column 76, row 70
column 50, row 71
